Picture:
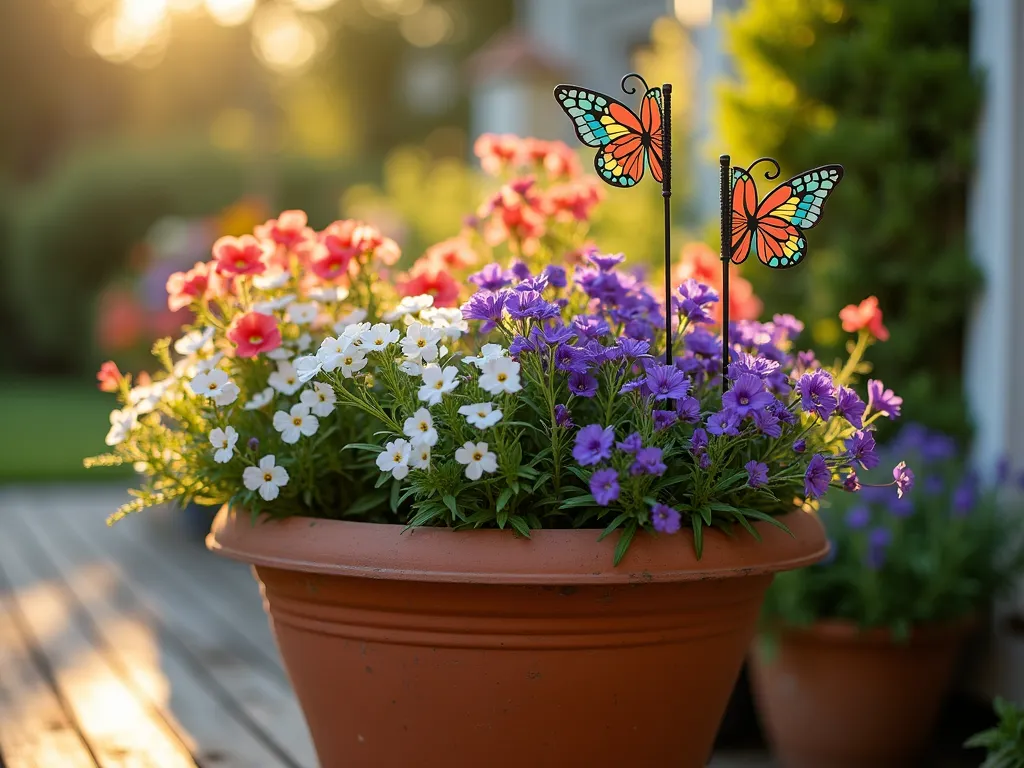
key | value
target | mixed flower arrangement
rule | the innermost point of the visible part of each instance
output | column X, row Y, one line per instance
column 306, row 386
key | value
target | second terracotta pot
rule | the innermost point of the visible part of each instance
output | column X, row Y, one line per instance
column 832, row 696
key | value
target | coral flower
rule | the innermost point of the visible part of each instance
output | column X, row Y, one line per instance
column 496, row 152
column 330, row 264
column 453, row 253
column 253, row 333
column 185, row 287
column 865, row 315
column 572, row 201
column 288, row 229
column 703, row 265
column 109, row 377
column 243, row 255
column 435, row 282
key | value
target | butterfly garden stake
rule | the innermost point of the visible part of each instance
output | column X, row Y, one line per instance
column 627, row 143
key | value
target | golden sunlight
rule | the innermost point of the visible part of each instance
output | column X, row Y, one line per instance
column 284, row 40
column 230, row 13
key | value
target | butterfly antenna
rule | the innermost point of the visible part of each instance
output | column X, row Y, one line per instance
column 666, row 193
column 628, row 88
column 725, row 193
column 770, row 175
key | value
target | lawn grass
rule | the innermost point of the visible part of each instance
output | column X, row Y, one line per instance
column 48, row 426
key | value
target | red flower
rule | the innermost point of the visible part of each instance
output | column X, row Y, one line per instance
column 496, row 152
column 572, row 201
column 109, row 377
column 330, row 264
column 253, row 333
column 185, row 287
column 438, row 283
column 865, row 315
column 288, row 229
column 703, row 265
column 514, row 214
column 243, row 255
column 347, row 238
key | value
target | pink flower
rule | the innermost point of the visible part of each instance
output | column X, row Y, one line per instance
column 438, row 283
column 253, row 333
column 572, row 201
column 703, row 265
column 109, row 377
column 243, row 255
column 453, row 253
column 288, row 229
column 514, row 214
column 330, row 264
column 496, row 152
column 185, row 287
column 345, row 239
column 865, row 315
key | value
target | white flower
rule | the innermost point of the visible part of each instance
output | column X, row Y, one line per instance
column 301, row 313
column 448, row 320
column 477, row 459
column 272, row 305
column 268, row 281
column 410, row 367
column 420, row 458
column 285, row 379
column 352, row 318
column 260, row 399
column 205, row 366
column 328, row 295
column 378, row 338
column 331, row 351
column 307, row 367
column 354, row 331
column 145, row 398
column 209, row 384
column 193, row 341
column 437, row 382
column 320, row 398
column 121, row 424
column 499, row 374
column 297, row 422
column 395, row 458
column 304, row 342
column 489, row 352
column 409, row 305
column 481, row 415
column 420, row 428
column 279, row 353
column 228, row 395
column 224, row 441
column 267, row 478
column 421, row 343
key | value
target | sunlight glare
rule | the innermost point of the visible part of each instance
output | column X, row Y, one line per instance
column 230, row 13
column 284, row 40
column 431, row 25
column 127, row 33
column 313, row 5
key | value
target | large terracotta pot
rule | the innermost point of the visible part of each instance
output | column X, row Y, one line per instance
column 431, row 647
column 833, row 696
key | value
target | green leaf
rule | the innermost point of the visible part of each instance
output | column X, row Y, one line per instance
column 449, row 501
column 759, row 515
column 364, row 447
column 422, row 517
column 586, row 500
column 625, row 538
column 396, row 492
column 520, row 526
column 613, row 525
column 384, row 477
column 502, row 518
column 698, row 533
column 503, row 499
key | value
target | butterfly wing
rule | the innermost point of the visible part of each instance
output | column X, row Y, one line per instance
column 601, row 121
column 790, row 208
column 651, row 122
column 744, row 216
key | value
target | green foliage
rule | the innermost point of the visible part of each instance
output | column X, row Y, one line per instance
column 1004, row 743
column 884, row 88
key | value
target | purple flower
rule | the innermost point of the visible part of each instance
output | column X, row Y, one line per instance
column 805, row 361
column 664, row 419
column 699, row 441
column 572, row 359
column 746, row 396
column 817, row 393
column 964, row 497
column 861, row 448
column 555, row 276
column 723, row 423
column 761, row 367
column 701, row 342
column 664, row 518
column 767, row 423
column 693, row 296
column 883, row 400
column 253, row 443
column 817, row 477
column 903, row 477
column 631, row 444
column 582, row 384
column 605, row 262
column 900, row 508
column 666, row 382
column 604, row 484
column 485, row 306
column 851, row 407
column 633, row 384
column 782, row 413
column 858, row 518
column 757, row 473
column 879, row 540
column 538, row 283
column 704, row 461
column 789, row 324
column 527, row 304
column 593, row 444
column 648, row 462
column 557, row 334
column 590, row 327
column 519, row 345
column 799, row 445
column 851, row 482
column 563, row 417
column 491, row 278
column 938, row 447
column 520, row 270
column 629, row 349
column 688, row 409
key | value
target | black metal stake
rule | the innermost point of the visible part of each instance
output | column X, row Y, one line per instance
column 726, row 204
column 666, row 193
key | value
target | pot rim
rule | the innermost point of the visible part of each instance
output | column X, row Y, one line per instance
column 491, row 556
column 846, row 632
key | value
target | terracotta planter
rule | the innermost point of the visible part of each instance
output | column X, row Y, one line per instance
column 466, row 649
column 832, row 696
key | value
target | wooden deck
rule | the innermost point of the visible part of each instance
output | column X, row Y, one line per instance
column 133, row 646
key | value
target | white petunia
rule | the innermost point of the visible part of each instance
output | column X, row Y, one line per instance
column 481, row 415
column 145, row 398
column 285, row 379
column 260, row 399
column 355, row 331
column 307, row 367
column 437, row 382
column 409, row 305
column 328, row 295
column 378, row 338
column 193, row 341
column 224, row 441
column 205, row 366
column 489, row 352
column 352, row 318
column 419, row 428
column 209, row 383
column 410, row 367
column 228, row 395
column 395, row 458
column 421, row 343
column 320, row 399
column 121, row 424
column 297, row 422
column 272, row 305
column 331, row 351
column 448, row 320
column 279, row 353
column 477, row 459
column 267, row 478
column 301, row 313
column 420, row 457
column 268, row 281
column 304, row 342
column 499, row 374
